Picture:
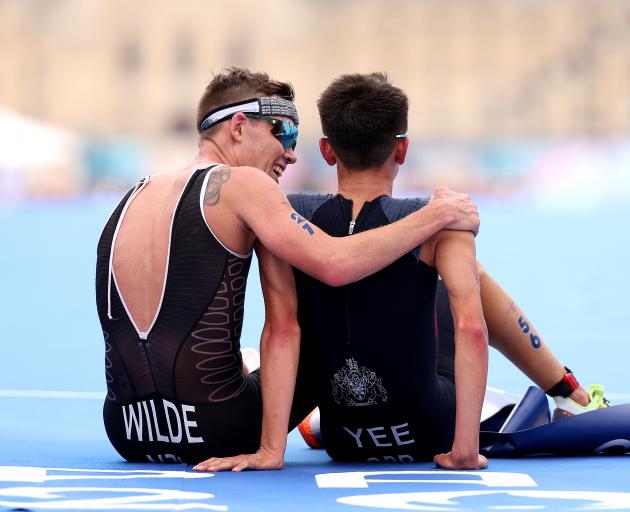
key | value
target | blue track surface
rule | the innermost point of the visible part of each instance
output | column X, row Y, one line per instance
column 568, row 270
column 64, row 462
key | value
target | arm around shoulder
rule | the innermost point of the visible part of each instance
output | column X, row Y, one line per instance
column 334, row 260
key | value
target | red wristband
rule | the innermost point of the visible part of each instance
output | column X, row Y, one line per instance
column 567, row 385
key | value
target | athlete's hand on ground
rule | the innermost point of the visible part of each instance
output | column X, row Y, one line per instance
column 450, row 461
column 460, row 207
column 262, row 459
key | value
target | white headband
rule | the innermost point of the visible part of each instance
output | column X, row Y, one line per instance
column 261, row 106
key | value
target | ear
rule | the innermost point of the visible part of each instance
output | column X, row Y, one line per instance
column 400, row 153
column 327, row 151
column 236, row 125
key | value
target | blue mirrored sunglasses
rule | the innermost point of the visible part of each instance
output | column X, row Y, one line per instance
column 284, row 130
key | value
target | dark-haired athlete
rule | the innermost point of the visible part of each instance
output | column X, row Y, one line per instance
column 386, row 392
column 370, row 348
column 170, row 282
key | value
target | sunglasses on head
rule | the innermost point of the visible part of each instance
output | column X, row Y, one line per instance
column 284, row 130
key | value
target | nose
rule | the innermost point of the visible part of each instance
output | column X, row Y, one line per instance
column 290, row 156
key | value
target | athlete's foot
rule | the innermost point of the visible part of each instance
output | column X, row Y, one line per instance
column 579, row 401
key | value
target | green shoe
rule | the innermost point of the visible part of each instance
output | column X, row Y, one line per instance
column 566, row 407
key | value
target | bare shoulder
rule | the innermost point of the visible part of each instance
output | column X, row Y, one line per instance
column 217, row 179
column 453, row 235
column 244, row 176
column 455, row 240
column 445, row 235
column 255, row 184
column 444, row 238
column 242, row 185
column 253, row 175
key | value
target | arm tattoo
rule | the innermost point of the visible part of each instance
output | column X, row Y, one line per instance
column 301, row 221
column 216, row 181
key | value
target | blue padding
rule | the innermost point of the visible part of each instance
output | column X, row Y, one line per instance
column 602, row 431
column 531, row 411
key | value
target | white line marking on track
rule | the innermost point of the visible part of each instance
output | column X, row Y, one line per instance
column 36, row 393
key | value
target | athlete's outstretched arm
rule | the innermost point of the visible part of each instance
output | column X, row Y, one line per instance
column 279, row 351
column 265, row 209
column 455, row 261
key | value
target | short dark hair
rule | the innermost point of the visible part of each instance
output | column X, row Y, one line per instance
column 238, row 84
column 361, row 114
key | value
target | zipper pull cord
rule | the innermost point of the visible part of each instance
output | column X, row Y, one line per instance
column 348, row 330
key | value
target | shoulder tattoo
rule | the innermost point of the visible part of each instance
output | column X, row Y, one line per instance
column 216, row 181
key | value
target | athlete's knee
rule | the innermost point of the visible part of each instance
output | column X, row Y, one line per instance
column 480, row 269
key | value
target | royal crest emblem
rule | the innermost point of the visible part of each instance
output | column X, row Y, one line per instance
column 357, row 386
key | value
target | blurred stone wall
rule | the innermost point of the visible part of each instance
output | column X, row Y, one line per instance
column 126, row 76
column 473, row 68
